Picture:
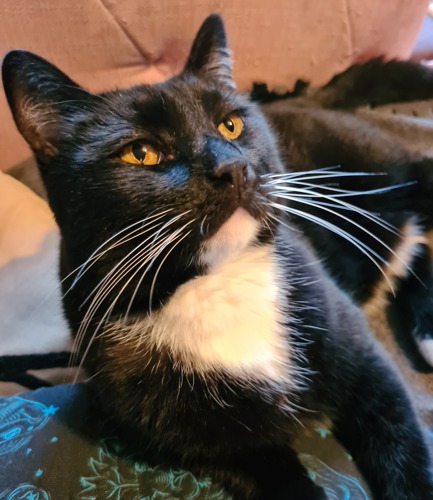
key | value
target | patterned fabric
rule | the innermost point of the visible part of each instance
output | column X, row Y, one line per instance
column 51, row 448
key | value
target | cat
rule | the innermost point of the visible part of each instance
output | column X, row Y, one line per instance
column 330, row 128
column 210, row 328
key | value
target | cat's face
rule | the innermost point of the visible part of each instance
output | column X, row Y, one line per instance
column 180, row 164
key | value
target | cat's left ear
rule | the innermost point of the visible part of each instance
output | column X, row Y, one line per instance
column 44, row 102
column 209, row 57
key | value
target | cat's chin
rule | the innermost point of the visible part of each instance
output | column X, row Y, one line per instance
column 238, row 232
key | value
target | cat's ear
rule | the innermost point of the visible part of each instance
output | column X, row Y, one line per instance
column 209, row 56
column 43, row 100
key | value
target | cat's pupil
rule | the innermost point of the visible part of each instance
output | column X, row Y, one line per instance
column 139, row 152
column 229, row 125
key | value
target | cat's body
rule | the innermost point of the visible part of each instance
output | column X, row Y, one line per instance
column 211, row 330
column 315, row 132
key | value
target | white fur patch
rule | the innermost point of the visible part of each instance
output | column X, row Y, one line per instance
column 426, row 349
column 230, row 319
column 239, row 231
column 398, row 266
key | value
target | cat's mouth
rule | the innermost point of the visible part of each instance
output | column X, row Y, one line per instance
column 242, row 221
column 248, row 200
column 239, row 231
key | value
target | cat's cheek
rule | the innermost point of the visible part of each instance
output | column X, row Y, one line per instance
column 239, row 231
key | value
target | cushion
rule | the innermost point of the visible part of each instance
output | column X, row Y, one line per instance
column 30, row 305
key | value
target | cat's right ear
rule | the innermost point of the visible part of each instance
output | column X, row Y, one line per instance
column 210, row 57
column 43, row 100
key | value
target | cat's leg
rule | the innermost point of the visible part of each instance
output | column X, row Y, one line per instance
column 271, row 474
column 376, row 423
column 415, row 302
column 376, row 83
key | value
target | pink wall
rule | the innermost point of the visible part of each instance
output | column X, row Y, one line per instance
column 106, row 43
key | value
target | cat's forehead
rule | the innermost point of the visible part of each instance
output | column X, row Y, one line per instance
column 179, row 99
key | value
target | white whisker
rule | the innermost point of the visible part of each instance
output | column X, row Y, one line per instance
column 162, row 262
column 152, row 237
column 149, row 253
column 308, row 196
column 325, row 173
column 172, row 237
column 364, row 248
column 348, row 193
column 337, row 214
column 201, row 226
column 106, row 281
column 96, row 256
column 314, row 194
column 106, row 285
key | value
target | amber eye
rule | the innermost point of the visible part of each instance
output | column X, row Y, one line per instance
column 231, row 127
column 140, row 153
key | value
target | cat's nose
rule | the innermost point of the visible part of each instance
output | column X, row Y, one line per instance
column 235, row 172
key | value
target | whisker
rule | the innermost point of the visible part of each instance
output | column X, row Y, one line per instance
column 283, row 223
column 336, row 203
column 328, row 225
column 325, row 173
column 103, row 293
column 295, row 194
column 162, row 262
column 348, row 193
column 106, row 315
column 363, row 247
column 101, row 286
column 110, row 280
column 287, row 181
column 151, row 237
column 104, row 287
column 298, row 173
column 95, row 256
column 201, row 226
column 347, row 219
column 334, row 198
column 166, row 242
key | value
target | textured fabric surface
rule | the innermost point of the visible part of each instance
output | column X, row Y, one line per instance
column 107, row 43
column 52, row 446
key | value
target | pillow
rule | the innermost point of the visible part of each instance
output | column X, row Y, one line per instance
column 30, row 308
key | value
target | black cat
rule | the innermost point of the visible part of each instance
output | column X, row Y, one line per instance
column 211, row 330
column 327, row 127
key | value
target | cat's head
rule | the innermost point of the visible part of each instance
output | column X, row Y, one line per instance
column 170, row 174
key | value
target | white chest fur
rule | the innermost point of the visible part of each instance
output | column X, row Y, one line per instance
column 229, row 319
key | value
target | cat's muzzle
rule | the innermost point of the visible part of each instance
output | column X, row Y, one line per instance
column 239, row 176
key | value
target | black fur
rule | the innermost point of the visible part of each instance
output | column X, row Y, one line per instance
column 312, row 137
column 237, row 431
